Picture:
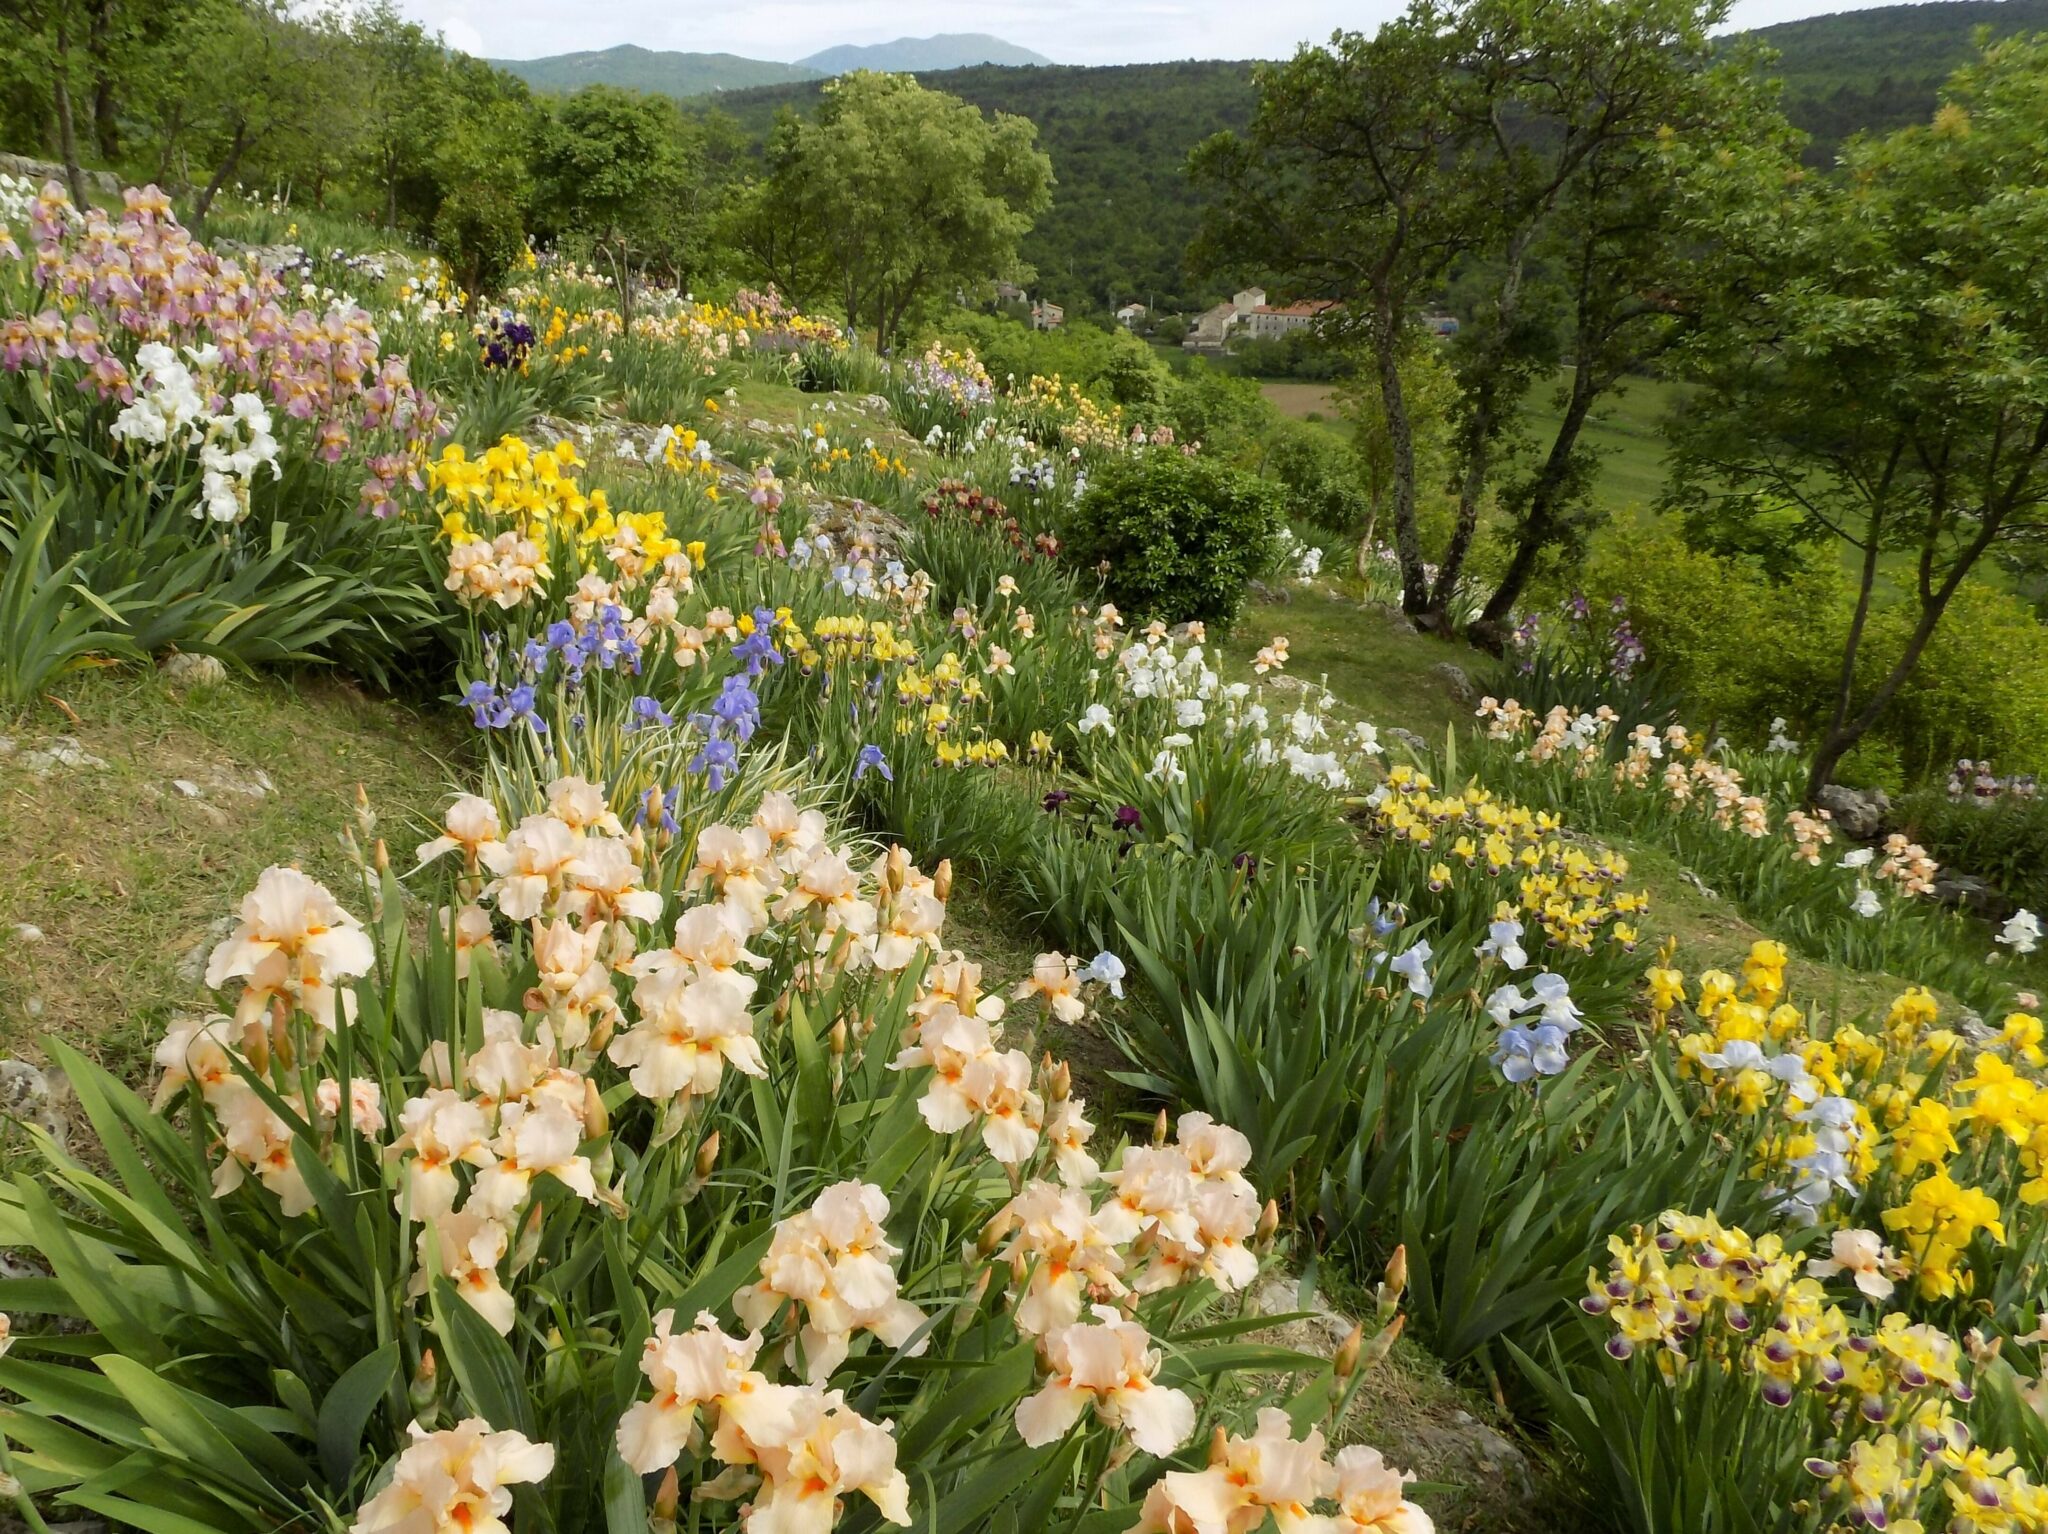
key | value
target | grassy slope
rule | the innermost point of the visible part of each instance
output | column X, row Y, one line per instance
column 1624, row 430
column 125, row 876
column 1382, row 670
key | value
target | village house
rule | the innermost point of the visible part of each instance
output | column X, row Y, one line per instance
column 1130, row 314
column 1047, row 316
column 1214, row 326
column 1269, row 322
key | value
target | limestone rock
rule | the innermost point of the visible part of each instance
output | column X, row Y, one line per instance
column 58, row 752
column 1858, row 814
column 183, row 670
column 1456, row 681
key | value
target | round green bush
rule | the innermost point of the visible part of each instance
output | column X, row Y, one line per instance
column 1181, row 537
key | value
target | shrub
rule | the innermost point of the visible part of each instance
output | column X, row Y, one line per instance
column 1744, row 649
column 1321, row 475
column 2005, row 841
column 1181, row 536
column 480, row 232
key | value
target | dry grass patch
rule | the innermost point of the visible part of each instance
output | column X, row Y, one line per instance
column 130, row 828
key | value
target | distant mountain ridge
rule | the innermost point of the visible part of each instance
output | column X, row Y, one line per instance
column 658, row 73
column 665, row 73
column 948, row 50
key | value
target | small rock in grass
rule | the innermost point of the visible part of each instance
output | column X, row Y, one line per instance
column 58, row 751
column 182, row 671
column 27, row 1094
column 1455, row 679
column 186, row 787
column 1407, row 739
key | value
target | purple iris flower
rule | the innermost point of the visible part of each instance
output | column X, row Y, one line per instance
column 647, row 711
column 718, row 760
column 518, row 709
column 871, row 757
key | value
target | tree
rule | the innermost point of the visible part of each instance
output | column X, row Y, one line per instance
column 1445, row 147
column 406, row 104
column 48, row 36
column 894, row 194
column 259, row 79
column 1704, row 147
column 1359, row 180
column 1878, row 377
column 625, row 171
column 1429, row 398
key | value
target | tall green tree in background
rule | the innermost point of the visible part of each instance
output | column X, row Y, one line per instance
column 1455, row 142
column 1881, row 376
column 894, row 195
column 1692, row 149
column 1357, row 181
column 625, row 171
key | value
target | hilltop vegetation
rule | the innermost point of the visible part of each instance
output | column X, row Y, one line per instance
column 634, row 68
column 1876, row 70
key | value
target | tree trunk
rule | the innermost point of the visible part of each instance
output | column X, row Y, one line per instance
column 240, row 142
column 67, row 129
column 1401, row 443
column 1539, row 521
column 1842, row 739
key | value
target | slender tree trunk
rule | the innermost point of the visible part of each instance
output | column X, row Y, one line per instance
column 1842, row 739
column 226, row 168
column 67, row 128
column 1401, row 442
column 1485, row 424
column 1540, row 519
column 106, row 123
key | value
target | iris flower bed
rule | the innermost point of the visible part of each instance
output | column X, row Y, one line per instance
column 637, row 1151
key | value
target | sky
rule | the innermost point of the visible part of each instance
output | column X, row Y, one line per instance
column 1066, row 31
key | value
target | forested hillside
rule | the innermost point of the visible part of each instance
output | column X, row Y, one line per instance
column 1119, row 137
column 1123, row 211
column 1879, row 69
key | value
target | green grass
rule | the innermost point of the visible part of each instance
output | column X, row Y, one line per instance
column 1625, row 429
column 1381, row 670
column 1368, row 656
column 126, row 876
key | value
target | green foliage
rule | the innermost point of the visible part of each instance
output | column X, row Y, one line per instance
column 480, row 231
column 314, row 580
column 49, row 620
column 1182, row 536
column 2004, row 840
column 1323, row 480
column 1871, row 384
column 1743, row 649
column 1876, row 70
column 892, row 196
column 1122, row 213
column 625, row 175
column 1738, row 648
